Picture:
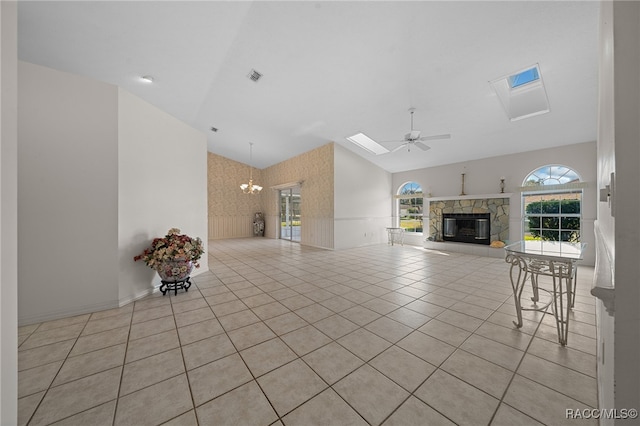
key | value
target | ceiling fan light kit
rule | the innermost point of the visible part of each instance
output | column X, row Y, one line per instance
column 413, row 138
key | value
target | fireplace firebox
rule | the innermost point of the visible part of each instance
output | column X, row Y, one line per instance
column 466, row 227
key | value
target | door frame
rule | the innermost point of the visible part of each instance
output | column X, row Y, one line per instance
column 290, row 216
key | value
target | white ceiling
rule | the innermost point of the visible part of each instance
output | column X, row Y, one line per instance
column 332, row 69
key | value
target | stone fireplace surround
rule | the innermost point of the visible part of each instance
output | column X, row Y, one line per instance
column 497, row 205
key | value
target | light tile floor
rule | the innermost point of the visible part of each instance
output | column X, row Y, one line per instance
column 279, row 333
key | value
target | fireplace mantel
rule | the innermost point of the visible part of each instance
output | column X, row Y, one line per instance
column 470, row 197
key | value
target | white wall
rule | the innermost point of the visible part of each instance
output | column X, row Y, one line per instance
column 8, row 214
column 605, row 230
column 67, row 194
column 162, row 184
column 483, row 177
column 362, row 203
column 101, row 173
column 627, row 201
column 619, row 152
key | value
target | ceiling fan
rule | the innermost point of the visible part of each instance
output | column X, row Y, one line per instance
column 413, row 138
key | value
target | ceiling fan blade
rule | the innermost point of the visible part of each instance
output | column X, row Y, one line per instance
column 400, row 147
column 435, row 137
column 422, row 146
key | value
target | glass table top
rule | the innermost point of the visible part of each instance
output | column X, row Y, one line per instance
column 555, row 249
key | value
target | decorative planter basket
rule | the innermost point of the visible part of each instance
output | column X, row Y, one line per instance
column 175, row 270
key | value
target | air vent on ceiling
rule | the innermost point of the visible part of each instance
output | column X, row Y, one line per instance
column 254, row 75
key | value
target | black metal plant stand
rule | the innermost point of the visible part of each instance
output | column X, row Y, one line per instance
column 175, row 285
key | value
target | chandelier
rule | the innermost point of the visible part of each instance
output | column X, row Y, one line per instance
column 250, row 188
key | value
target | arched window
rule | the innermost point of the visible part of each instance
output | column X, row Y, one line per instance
column 410, row 207
column 551, row 175
column 552, row 204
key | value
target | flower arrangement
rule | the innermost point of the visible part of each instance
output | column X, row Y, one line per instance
column 173, row 247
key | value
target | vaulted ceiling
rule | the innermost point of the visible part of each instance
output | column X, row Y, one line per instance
column 333, row 68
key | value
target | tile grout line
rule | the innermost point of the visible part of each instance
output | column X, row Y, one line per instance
column 184, row 364
column 124, row 361
column 515, row 371
column 300, row 277
column 438, row 367
column 243, row 361
column 58, row 372
column 299, row 357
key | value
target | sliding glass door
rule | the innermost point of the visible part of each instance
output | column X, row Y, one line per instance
column 290, row 214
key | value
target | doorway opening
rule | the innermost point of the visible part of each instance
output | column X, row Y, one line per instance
column 290, row 220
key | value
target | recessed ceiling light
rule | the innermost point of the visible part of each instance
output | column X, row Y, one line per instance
column 147, row 79
column 368, row 144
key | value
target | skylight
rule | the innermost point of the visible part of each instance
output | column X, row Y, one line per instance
column 524, row 77
column 522, row 94
column 368, row 144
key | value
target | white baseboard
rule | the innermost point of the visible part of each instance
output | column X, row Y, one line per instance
column 79, row 310
column 87, row 309
column 138, row 296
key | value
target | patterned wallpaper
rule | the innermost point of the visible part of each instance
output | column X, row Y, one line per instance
column 315, row 169
column 224, row 179
column 231, row 212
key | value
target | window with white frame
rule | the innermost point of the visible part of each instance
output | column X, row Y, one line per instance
column 410, row 207
column 552, row 204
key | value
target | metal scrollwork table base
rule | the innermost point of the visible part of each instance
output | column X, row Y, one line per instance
column 166, row 286
column 396, row 235
column 531, row 259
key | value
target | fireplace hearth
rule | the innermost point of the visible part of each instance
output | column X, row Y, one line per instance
column 472, row 228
